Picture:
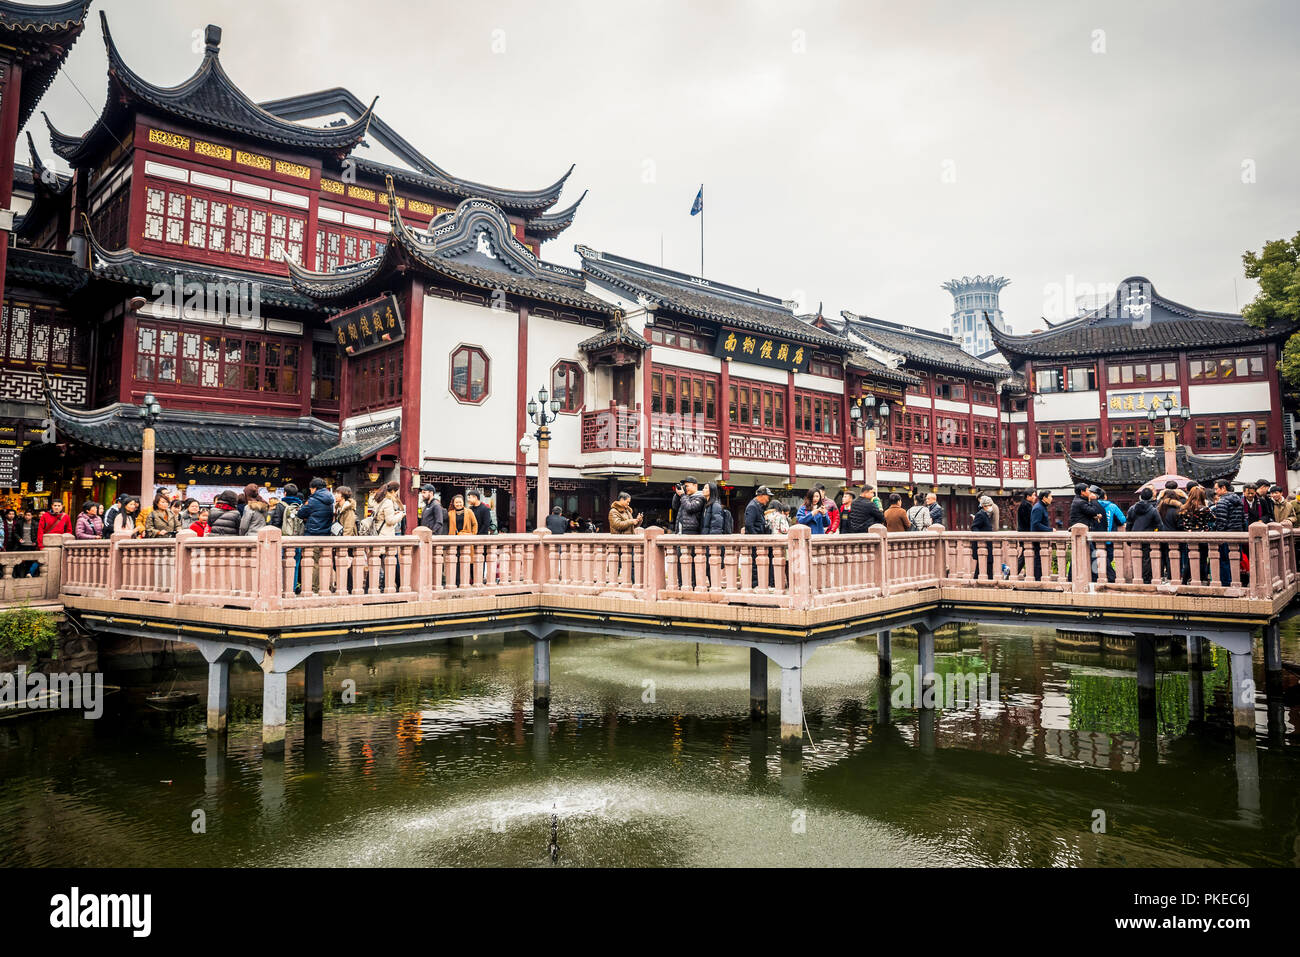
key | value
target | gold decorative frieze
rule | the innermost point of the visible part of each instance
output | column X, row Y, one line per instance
column 292, row 169
column 419, row 206
column 215, row 150
column 331, row 186
column 361, row 192
column 255, row 160
column 401, row 200
column 165, row 138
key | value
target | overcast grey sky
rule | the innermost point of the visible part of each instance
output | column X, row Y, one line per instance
column 853, row 153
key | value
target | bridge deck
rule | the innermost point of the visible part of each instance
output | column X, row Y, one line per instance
column 286, row 600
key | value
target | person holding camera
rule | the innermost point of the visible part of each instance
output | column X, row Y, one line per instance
column 688, row 506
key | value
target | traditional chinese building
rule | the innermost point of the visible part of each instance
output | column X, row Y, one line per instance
column 171, row 243
column 1094, row 381
column 36, row 331
column 738, row 389
column 957, row 428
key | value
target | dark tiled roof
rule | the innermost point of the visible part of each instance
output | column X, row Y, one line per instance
column 355, row 450
column 430, row 175
column 1130, row 468
column 40, row 37
column 701, row 299
column 550, row 225
column 530, row 277
column 42, row 18
column 878, row 370
column 516, row 201
column 919, row 347
column 118, row 428
column 208, row 98
column 136, row 269
column 619, row 334
column 31, row 267
column 1114, row 329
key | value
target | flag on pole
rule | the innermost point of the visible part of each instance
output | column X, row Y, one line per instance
column 698, row 205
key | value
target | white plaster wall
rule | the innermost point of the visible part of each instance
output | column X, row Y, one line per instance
column 1227, row 398
column 1053, row 474
column 456, row 432
column 1067, row 406
column 549, row 341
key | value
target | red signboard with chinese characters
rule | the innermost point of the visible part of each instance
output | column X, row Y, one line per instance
column 371, row 325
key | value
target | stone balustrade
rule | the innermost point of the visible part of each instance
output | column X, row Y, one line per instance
column 794, row 571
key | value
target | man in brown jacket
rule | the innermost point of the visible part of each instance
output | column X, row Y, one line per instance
column 895, row 516
column 621, row 519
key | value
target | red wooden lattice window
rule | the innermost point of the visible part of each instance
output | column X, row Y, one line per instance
column 376, row 381
column 169, row 353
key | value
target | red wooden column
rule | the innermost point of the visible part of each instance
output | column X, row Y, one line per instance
column 846, row 435
column 304, row 371
column 1103, row 415
column 522, row 425
column 1031, row 434
column 647, row 410
column 789, row 425
column 409, row 444
column 12, row 94
column 724, row 417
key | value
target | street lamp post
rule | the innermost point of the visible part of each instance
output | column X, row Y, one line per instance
column 149, row 413
column 863, row 413
column 1171, row 413
column 542, row 410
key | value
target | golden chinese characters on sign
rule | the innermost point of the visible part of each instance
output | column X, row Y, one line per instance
column 762, row 350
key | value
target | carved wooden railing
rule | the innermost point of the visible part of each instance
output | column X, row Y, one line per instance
column 796, row 571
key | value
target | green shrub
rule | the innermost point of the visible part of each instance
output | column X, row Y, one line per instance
column 26, row 629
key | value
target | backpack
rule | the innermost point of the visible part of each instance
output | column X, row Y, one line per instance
column 290, row 523
column 366, row 526
column 914, row 516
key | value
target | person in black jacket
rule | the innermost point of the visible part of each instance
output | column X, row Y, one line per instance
column 712, row 519
column 556, row 523
column 482, row 513
column 1143, row 516
column 1084, row 510
column 432, row 516
column 1024, row 514
column 982, row 521
column 1260, row 507
column 688, row 507
column 1229, row 516
column 224, row 519
column 755, row 521
column 863, row 513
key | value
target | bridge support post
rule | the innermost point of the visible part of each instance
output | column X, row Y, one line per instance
column 1195, row 680
column 1146, row 674
column 218, row 695
column 792, row 707
column 313, row 710
column 757, row 685
column 541, row 672
column 884, row 675
column 1272, row 659
column 925, row 666
column 275, row 709
column 1243, row 692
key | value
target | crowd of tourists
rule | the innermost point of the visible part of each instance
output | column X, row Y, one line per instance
column 698, row 510
column 320, row 511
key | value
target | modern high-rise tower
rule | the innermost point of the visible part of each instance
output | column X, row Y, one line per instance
column 973, row 297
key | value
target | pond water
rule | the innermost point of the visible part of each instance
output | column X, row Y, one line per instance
column 647, row 756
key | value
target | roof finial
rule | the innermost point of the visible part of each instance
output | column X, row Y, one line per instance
column 211, row 40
